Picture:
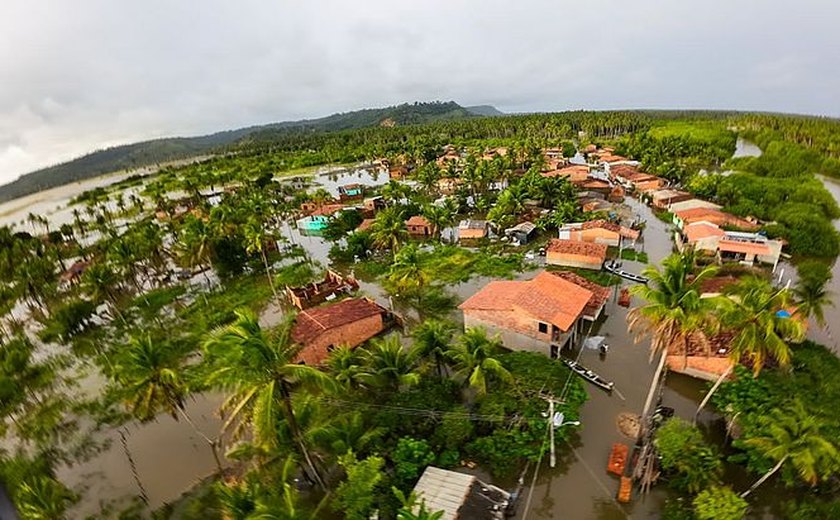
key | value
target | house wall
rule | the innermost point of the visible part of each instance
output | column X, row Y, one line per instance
column 353, row 334
column 647, row 185
column 467, row 234
column 568, row 260
column 600, row 236
column 513, row 329
column 419, row 230
column 702, row 367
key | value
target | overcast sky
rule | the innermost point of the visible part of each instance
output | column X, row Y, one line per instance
column 76, row 75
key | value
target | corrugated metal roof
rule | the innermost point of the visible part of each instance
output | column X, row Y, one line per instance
column 443, row 490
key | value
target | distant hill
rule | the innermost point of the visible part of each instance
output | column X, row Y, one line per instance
column 136, row 155
column 484, row 110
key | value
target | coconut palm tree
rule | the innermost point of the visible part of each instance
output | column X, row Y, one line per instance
column 439, row 217
column 100, row 282
column 261, row 374
column 754, row 311
column 812, row 297
column 473, row 359
column 150, row 374
column 389, row 365
column 44, row 498
column 250, row 499
column 673, row 311
column 433, row 338
column 792, row 436
column 388, row 229
column 255, row 239
column 345, row 364
column 407, row 273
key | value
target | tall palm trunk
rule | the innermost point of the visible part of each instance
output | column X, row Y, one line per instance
column 124, row 440
column 268, row 273
column 213, row 443
column 767, row 475
column 712, row 390
column 298, row 436
column 653, row 386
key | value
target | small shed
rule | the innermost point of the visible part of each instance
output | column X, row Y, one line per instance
column 418, row 226
column 471, row 229
column 522, row 233
column 460, row 496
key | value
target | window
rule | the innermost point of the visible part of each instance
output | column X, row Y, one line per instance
column 543, row 328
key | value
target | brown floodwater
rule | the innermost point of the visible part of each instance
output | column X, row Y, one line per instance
column 171, row 458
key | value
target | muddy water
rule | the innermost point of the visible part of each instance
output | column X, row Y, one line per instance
column 170, row 456
column 830, row 334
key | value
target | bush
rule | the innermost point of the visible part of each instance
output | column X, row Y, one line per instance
column 692, row 463
column 355, row 496
column 719, row 503
column 410, row 459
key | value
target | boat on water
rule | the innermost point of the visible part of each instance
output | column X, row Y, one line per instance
column 618, row 459
column 589, row 375
column 612, row 267
column 624, row 298
column 625, row 489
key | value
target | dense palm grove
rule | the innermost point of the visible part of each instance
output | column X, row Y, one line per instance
column 179, row 268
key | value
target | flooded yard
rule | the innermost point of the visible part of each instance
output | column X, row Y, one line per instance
column 171, row 457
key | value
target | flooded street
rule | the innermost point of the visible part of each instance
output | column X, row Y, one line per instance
column 829, row 334
column 171, row 457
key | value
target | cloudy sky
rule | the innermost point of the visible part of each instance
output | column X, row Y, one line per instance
column 84, row 74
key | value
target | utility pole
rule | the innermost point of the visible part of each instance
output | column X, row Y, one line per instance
column 553, row 459
column 555, row 420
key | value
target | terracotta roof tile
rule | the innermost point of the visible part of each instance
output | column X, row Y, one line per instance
column 742, row 247
column 700, row 230
column 600, row 294
column 310, row 323
column 417, row 220
column 547, row 298
column 601, row 224
column 571, row 247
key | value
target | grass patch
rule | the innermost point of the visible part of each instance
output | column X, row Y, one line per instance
column 453, row 264
column 665, row 216
column 599, row 277
column 633, row 255
column 149, row 304
column 216, row 308
column 299, row 273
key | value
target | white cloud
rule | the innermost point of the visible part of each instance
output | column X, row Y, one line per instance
column 81, row 75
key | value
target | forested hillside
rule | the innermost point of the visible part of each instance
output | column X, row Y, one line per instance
column 158, row 151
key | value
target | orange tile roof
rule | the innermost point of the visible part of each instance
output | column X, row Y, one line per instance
column 571, row 247
column 610, row 157
column 417, row 220
column 715, row 216
column 600, row 294
column 601, row 224
column 328, row 209
column 311, row 323
column 593, row 184
column 547, row 298
column 746, row 248
column 576, row 170
column 700, row 230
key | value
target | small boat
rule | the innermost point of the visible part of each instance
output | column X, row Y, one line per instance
column 625, row 489
column 624, row 297
column 589, row 375
column 612, row 267
column 618, row 459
